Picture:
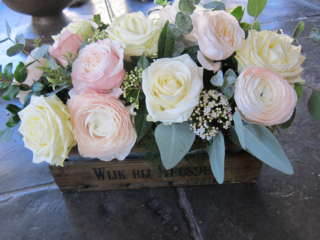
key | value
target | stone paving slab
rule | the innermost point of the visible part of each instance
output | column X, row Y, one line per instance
column 129, row 214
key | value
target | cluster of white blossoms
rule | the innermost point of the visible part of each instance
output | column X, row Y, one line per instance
column 211, row 114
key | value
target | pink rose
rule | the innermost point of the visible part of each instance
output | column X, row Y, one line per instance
column 264, row 97
column 102, row 125
column 219, row 34
column 67, row 41
column 99, row 66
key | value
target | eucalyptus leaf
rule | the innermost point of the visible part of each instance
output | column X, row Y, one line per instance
column 8, row 71
column 28, row 98
column 58, row 90
column 153, row 10
column 217, row 80
column 8, row 29
column 12, row 121
column 15, row 49
column 299, row 28
column 143, row 62
column 261, row 143
column 20, row 39
column 255, row 7
column 233, row 136
column 141, row 124
column 176, row 32
column 228, row 91
column 245, row 26
column 229, row 80
column 216, row 153
column 256, row 26
column 216, row 5
column 174, row 142
column 239, row 129
column 13, row 109
column 52, row 62
column 288, row 123
column 192, row 52
column 166, row 42
column 178, row 48
column 231, row 73
column 184, row 23
column 186, row 6
column 238, row 13
column 195, row 2
column 314, row 34
column 41, row 51
column 11, row 92
column 314, row 104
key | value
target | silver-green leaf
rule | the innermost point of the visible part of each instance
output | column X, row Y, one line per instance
column 216, row 5
column 217, row 80
column 255, row 7
column 174, row 142
column 184, row 23
column 239, row 129
column 314, row 104
column 314, row 34
column 216, row 153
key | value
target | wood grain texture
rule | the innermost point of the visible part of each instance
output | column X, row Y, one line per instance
column 96, row 175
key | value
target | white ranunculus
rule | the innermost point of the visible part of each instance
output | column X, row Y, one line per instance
column 136, row 33
column 47, row 130
column 33, row 73
column 264, row 97
column 272, row 51
column 82, row 27
column 172, row 87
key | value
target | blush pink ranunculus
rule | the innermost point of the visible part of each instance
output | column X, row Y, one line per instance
column 102, row 125
column 219, row 34
column 263, row 97
column 67, row 41
column 99, row 66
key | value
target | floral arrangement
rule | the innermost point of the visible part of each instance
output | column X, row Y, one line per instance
column 187, row 71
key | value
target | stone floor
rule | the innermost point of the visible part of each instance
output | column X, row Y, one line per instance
column 276, row 207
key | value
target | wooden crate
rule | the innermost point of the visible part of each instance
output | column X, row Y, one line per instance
column 134, row 173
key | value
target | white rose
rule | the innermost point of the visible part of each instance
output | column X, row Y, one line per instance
column 264, row 97
column 47, row 130
column 272, row 51
column 33, row 73
column 136, row 34
column 172, row 87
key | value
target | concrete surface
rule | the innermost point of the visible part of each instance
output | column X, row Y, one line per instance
column 276, row 207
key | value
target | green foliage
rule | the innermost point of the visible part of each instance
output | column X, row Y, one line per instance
column 184, row 22
column 153, row 10
column 6, row 134
column 216, row 153
column 4, row 84
column 3, row 40
column 85, row 42
column 217, row 80
column 174, row 142
column 255, row 7
column 20, row 74
column 37, row 42
column 298, row 88
column 143, row 62
column 314, row 104
column 314, row 35
column 37, row 87
column 13, row 120
column 141, row 124
column 288, row 123
column 239, row 129
column 166, row 42
column 28, row 98
column 261, row 143
column 216, row 5
column 256, row 26
column 97, row 20
column 161, row 3
column 186, row 6
column 299, row 28
column 192, row 52
column 8, row 71
column 11, row 92
column 15, row 49
column 238, row 13
column 13, row 109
